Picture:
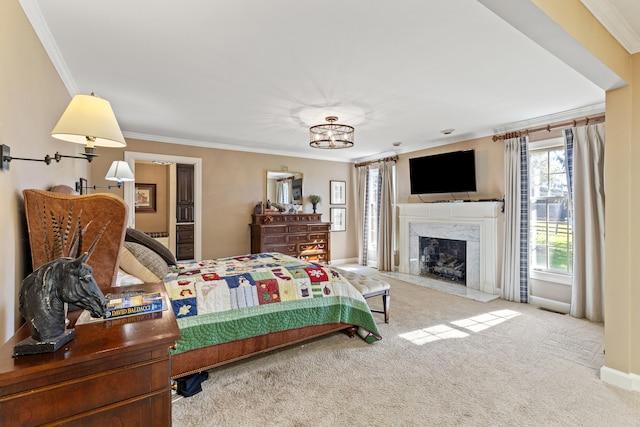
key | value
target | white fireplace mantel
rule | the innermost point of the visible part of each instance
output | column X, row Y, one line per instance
column 480, row 219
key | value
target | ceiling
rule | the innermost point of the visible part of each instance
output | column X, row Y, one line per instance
column 254, row 75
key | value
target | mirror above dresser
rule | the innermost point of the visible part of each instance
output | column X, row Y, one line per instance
column 284, row 188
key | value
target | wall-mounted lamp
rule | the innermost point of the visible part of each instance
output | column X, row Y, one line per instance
column 119, row 172
column 87, row 120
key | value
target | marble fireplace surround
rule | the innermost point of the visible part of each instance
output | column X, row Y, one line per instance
column 474, row 222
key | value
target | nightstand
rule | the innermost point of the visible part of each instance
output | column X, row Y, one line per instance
column 114, row 372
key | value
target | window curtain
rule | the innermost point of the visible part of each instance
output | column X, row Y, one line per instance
column 515, row 266
column 361, row 174
column 385, row 220
column 279, row 192
column 585, row 165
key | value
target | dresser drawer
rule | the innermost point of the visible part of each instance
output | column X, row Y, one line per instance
column 277, row 229
column 276, row 238
column 319, row 257
column 319, row 246
column 297, row 238
column 316, row 237
column 320, row 227
column 299, row 228
column 287, row 249
column 88, row 394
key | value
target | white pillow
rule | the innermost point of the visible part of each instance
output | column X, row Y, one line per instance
column 126, row 279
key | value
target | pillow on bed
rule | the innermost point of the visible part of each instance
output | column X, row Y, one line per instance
column 142, row 262
column 142, row 238
column 126, row 279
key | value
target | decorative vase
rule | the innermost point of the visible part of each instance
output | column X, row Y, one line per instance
column 314, row 207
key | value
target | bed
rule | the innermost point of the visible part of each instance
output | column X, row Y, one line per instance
column 227, row 309
column 235, row 307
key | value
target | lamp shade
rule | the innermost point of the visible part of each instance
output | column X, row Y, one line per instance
column 89, row 120
column 119, row 171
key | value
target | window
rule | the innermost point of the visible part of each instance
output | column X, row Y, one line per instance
column 551, row 236
column 371, row 226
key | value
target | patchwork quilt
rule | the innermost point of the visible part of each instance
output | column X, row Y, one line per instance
column 227, row 299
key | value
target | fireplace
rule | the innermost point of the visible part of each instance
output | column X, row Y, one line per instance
column 443, row 259
column 473, row 223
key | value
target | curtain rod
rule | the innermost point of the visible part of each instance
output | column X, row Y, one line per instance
column 386, row 159
column 548, row 128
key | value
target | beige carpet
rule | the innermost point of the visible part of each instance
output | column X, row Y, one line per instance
column 443, row 361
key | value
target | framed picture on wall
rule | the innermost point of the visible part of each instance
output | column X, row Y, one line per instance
column 338, row 219
column 337, row 193
column 145, row 197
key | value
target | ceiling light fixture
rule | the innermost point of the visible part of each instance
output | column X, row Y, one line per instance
column 331, row 135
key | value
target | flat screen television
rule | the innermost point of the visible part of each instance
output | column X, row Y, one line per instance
column 453, row 172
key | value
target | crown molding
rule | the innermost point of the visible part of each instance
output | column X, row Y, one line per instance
column 231, row 147
column 611, row 18
column 577, row 113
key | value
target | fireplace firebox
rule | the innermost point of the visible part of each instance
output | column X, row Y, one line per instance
column 444, row 259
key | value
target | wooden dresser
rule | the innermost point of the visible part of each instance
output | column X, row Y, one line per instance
column 112, row 373
column 304, row 236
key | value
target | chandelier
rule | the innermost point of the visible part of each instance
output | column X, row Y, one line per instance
column 331, row 135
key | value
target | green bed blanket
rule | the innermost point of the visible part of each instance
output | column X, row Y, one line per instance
column 227, row 299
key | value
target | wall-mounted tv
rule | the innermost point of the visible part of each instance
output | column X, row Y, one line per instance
column 453, row 172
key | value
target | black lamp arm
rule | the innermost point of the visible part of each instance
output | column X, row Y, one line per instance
column 7, row 158
column 95, row 187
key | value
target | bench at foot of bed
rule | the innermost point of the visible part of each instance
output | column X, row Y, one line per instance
column 370, row 287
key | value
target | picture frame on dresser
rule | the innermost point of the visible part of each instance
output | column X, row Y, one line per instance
column 338, row 219
column 337, row 192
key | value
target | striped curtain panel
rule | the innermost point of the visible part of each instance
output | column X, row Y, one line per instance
column 515, row 266
column 362, row 212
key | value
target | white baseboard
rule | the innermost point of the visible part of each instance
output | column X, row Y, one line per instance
column 344, row 261
column 627, row 381
column 560, row 307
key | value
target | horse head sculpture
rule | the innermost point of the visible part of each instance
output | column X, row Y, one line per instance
column 44, row 292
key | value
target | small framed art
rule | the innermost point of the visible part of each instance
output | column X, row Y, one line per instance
column 145, row 197
column 338, row 219
column 82, row 186
column 337, row 193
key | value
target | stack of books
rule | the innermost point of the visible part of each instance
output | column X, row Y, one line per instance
column 133, row 302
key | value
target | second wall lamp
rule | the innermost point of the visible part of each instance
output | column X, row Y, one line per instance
column 119, row 172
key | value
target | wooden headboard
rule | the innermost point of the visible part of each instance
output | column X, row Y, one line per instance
column 54, row 218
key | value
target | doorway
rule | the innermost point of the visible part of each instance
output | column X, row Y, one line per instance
column 129, row 193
